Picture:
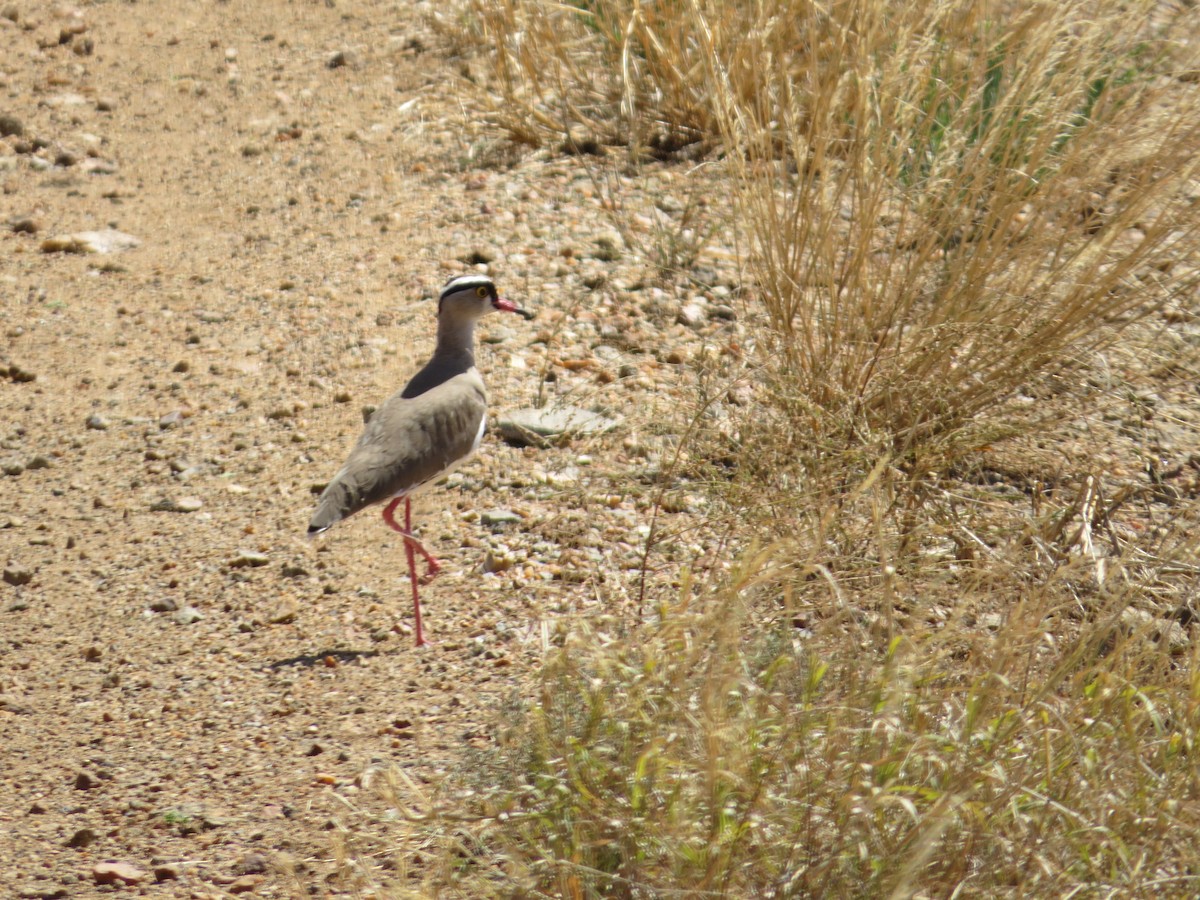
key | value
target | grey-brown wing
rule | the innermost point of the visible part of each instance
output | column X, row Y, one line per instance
column 408, row 442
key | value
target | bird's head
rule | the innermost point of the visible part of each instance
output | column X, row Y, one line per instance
column 475, row 296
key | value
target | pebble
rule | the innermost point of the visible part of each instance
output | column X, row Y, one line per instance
column 96, row 166
column 38, row 462
column 189, row 615
column 992, row 621
column 284, row 614
column 245, row 884
column 97, row 422
column 607, row 249
column 254, row 863
column 18, row 374
column 117, row 872
column 251, row 559
column 24, row 225
column 11, row 126
column 497, row 561
column 39, row 892
column 182, row 505
column 476, row 256
column 167, row 872
column 10, row 704
column 494, row 517
column 107, row 241
column 82, row 838
column 163, row 604
column 692, row 315
column 17, row 575
column 541, row 427
column 497, row 334
column 1139, row 621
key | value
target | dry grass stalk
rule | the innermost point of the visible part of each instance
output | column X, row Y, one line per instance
column 945, row 206
column 602, row 73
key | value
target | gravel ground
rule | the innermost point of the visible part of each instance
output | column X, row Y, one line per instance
column 190, row 691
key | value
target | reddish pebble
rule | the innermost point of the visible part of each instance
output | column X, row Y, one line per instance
column 117, row 872
column 245, row 884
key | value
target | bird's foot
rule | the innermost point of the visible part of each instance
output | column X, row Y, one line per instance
column 432, row 572
column 433, row 566
column 405, row 630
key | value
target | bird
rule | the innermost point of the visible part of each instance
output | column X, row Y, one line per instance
column 424, row 431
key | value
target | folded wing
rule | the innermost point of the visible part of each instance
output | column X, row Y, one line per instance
column 409, row 442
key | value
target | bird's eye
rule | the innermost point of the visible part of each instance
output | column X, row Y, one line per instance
column 481, row 292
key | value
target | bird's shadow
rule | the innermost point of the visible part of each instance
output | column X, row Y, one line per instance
column 319, row 658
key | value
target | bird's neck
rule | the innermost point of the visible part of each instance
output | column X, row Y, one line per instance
column 456, row 340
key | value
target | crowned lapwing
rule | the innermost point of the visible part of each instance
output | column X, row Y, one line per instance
column 422, row 433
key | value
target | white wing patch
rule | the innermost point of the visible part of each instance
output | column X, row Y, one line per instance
column 479, row 435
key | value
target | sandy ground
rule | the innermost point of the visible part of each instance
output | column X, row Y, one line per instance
column 188, row 688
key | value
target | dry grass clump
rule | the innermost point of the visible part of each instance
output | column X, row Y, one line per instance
column 607, row 72
column 946, row 202
column 772, row 736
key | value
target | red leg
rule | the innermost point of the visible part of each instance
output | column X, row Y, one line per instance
column 412, row 575
column 434, row 565
column 411, row 544
column 389, row 516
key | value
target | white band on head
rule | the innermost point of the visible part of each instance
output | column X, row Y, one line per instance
column 462, row 282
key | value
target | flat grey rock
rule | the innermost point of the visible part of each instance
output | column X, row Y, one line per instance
column 543, row 427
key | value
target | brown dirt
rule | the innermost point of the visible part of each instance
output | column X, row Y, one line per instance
column 167, row 700
column 198, row 695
